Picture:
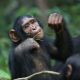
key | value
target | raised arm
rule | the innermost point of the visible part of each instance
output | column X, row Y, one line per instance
column 63, row 40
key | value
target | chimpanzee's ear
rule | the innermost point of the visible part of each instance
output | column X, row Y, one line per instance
column 13, row 35
column 69, row 70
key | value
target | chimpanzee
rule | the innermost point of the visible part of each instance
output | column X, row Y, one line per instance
column 71, row 69
column 32, row 50
column 76, row 44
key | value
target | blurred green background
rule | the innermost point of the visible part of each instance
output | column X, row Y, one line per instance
column 10, row 9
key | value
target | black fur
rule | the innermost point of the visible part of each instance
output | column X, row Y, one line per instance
column 22, row 59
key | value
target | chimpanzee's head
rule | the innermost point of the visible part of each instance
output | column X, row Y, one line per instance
column 24, row 27
column 71, row 69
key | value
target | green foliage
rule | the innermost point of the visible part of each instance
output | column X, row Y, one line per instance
column 4, row 75
column 4, row 50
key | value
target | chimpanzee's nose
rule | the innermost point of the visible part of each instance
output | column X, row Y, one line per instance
column 33, row 27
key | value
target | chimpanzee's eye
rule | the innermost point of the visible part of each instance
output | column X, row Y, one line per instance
column 32, row 21
column 25, row 26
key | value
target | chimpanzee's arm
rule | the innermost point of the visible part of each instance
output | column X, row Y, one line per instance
column 63, row 40
column 76, row 44
column 63, row 43
column 19, row 58
column 14, row 66
column 27, row 45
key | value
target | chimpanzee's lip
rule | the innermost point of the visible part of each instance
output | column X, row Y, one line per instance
column 37, row 32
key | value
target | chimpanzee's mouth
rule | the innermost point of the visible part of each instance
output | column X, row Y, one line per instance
column 37, row 33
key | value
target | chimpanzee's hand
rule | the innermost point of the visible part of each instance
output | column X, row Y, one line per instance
column 31, row 43
column 27, row 45
column 55, row 21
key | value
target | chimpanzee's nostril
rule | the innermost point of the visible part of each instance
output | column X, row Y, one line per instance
column 34, row 29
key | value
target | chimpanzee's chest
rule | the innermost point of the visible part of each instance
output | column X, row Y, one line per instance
column 37, row 60
column 41, row 59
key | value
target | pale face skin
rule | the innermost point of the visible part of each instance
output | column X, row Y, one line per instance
column 32, row 28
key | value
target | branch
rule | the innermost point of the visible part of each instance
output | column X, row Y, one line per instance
column 38, row 73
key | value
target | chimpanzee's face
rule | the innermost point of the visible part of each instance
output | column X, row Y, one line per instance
column 32, row 28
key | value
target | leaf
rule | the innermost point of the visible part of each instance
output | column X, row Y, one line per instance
column 4, row 75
